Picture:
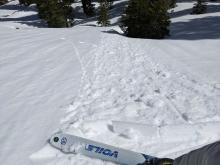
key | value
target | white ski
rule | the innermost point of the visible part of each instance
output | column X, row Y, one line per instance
column 74, row 144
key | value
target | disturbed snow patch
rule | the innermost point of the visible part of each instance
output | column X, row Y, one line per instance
column 127, row 85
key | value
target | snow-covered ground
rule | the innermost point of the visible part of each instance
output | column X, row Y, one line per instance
column 159, row 97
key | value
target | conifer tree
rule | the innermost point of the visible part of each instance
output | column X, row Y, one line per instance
column 68, row 12
column 43, row 7
column 172, row 3
column 56, row 13
column 88, row 7
column 199, row 7
column 26, row 2
column 110, row 3
column 103, row 18
column 146, row 19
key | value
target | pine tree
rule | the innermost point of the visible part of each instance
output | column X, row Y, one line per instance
column 172, row 3
column 200, row 7
column 146, row 19
column 26, row 2
column 88, row 7
column 110, row 3
column 68, row 12
column 43, row 7
column 103, row 18
column 56, row 13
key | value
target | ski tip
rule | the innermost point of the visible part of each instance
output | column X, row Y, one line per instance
column 57, row 140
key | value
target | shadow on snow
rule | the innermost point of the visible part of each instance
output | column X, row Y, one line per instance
column 210, row 9
column 196, row 29
column 30, row 20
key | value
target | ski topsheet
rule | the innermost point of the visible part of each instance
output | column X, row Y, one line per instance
column 74, row 144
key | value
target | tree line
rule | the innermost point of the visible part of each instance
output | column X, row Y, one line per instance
column 141, row 18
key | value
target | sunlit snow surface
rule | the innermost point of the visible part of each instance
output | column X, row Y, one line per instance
column 159, row 97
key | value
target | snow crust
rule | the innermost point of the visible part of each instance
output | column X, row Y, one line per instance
column 159, row 97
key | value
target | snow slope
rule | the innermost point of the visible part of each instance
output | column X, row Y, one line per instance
column 80, row 80
column 130, row 87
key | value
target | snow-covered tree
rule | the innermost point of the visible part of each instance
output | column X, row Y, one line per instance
column 146, row 19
